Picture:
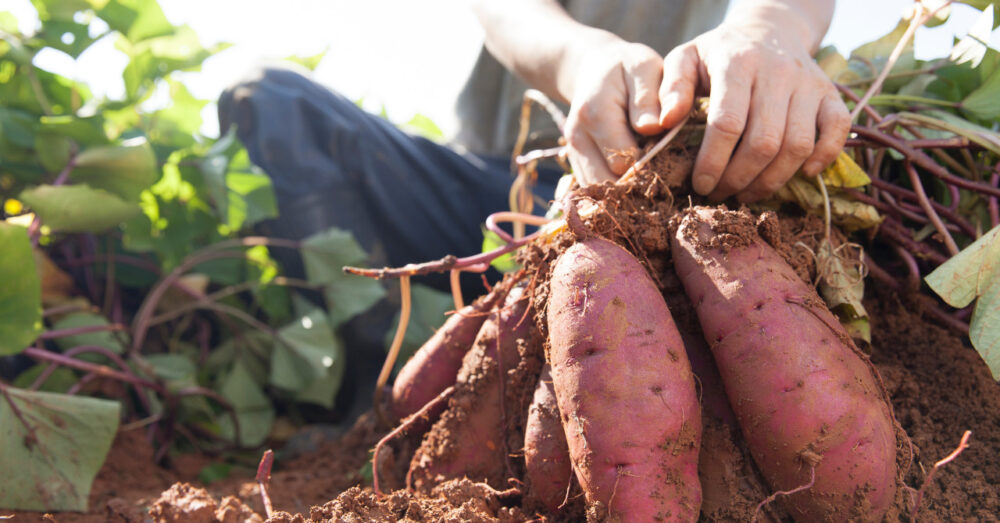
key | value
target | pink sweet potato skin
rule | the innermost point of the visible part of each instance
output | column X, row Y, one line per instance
column 471, row 437
column 803, row 394
column 435, row 365
column 624, row 386
column 546, row 456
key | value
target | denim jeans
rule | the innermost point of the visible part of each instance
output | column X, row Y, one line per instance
column 405, row 198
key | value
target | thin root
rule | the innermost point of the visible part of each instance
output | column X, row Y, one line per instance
column 772, row 497
column 397, row 342
column 962, row 445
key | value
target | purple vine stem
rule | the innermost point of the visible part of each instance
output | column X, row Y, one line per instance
column 918, row 188
column 469, row 263
column 921, row 159
column 994, row 206
column 953, row 217
column 32, row 437
column 68, row 361
column 76, row 331
column 213, row 252
column 928, row 304
column 913, row 272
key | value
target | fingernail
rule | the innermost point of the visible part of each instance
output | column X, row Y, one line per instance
column 646, row 120
column 702, row 183
column 669, row 103
column 811, row 169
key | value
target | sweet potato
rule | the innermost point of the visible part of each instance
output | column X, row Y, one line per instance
column 806, row 399
column 435, row 365
column 546, row 457
column 470, row 438
column 624, row 386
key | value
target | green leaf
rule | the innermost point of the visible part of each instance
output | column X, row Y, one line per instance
column 310, row 362
column 172, row 366
column 106, row 339
column 155, row 58
column 136, row 19
column 17, row 127
column 20, row 293
column 324, row 255
column 84, row 131
column 351, row 295
column 125, row 170
column 61, row 379
column 307, row 350
column 984, row 327
column 177, row 124
column 250, row 199
column 971, row 274
column 877, row 53
column 57, row 459
column 423, row 126
column 984, row 102
column 253, row 408
column 53, row 151
column 77, row 208
column 309, row 62
column 63, row 9
column 491, row 241
column 428, row 313
column 214, row 472
column 67, row 36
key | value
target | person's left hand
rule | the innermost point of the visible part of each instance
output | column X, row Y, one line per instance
column 767, row 100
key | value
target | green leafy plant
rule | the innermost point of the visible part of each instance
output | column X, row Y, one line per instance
column 129, row 257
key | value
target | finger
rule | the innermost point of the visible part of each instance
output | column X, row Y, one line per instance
column 589, row 164
column 728, row 104
column 763, row 137
column 609, row 131
column 642, row 78
column 680, row 79
column 834, row 124
column 798, row 144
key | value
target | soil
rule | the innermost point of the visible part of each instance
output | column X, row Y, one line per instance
column 939, row 388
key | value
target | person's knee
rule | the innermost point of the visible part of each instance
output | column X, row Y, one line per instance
column 237, row 101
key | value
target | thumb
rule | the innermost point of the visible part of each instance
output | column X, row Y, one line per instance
column 680, row 78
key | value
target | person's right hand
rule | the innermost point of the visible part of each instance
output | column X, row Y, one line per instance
column 615, row 90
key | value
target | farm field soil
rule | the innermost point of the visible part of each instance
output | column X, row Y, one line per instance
column 939, row 389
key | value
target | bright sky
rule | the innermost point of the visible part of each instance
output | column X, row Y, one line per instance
column 408, row 56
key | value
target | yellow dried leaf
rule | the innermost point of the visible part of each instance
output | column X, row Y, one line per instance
column 845, row 172
column 846, row 213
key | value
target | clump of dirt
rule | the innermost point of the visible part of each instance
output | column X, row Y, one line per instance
column 184, row 503
column 455, row 500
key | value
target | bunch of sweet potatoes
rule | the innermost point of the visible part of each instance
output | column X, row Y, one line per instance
column 617, row 410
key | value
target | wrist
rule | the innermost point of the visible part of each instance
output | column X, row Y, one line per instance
column 801, row 25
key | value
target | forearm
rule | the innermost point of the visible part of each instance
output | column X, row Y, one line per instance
column 539, row 41
column 805, row 21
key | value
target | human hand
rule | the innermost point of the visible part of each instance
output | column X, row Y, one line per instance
column 767, row 98
column 615, row 90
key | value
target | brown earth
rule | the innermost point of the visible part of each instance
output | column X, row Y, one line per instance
column 938, row 385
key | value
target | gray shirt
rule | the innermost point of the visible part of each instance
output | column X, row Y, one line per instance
column 489, row 104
